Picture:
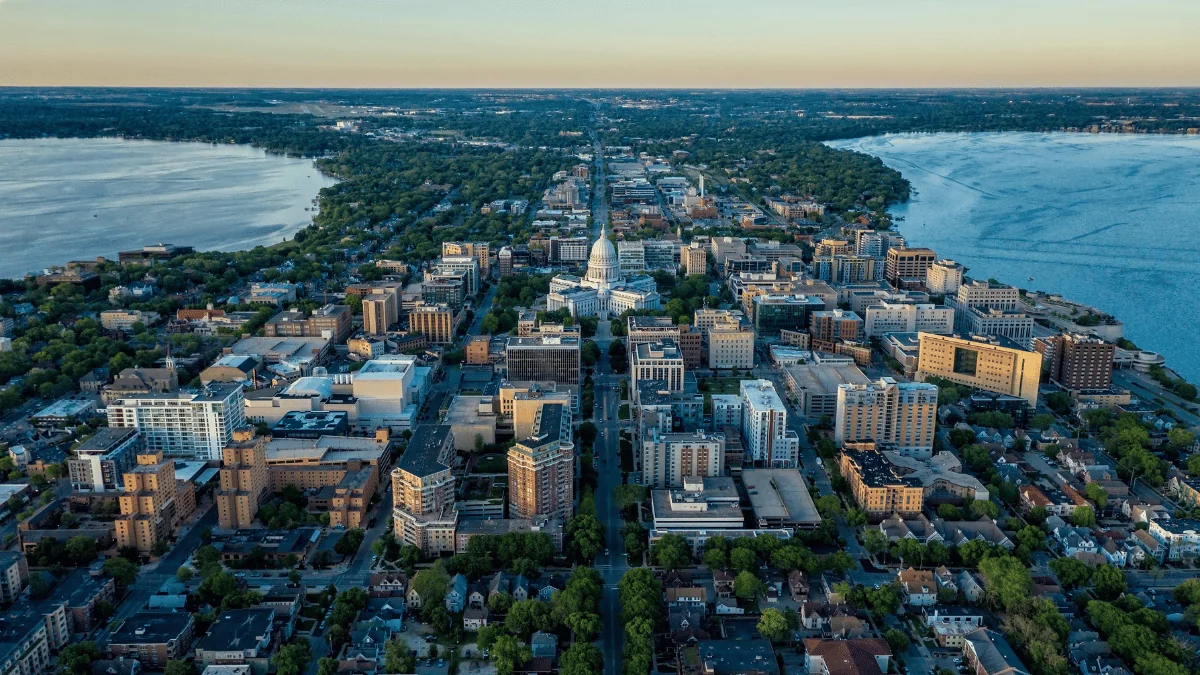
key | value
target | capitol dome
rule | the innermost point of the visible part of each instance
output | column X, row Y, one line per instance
column 602, row 262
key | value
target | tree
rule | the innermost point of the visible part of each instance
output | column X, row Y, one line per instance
column 961, row 437
column 184, row 574
column 528, row 617
column 773, row 625
column 397, row 658
column 976, row 457
column 508, row 654
column 586, row 536
column 584, row 626
column 329, row 666
column 292, row 658
column 626, row 496
column 875, row 542
column 716, row 559
column 1097, row 494
column 838, row 561
column 1008, row 580
column 856, row 517
column 76, row 659
column 1108, row 582
column 1193, row 464
column 743, row 560
column 123, row 571
column 81, row 550
column 829, row 506
column 431, row 583
column 1041, row 422
column 1032, row 539
column 179, row 668
column 897, row 640
column 582, row 658
column 349, row 543
column 949, row 512
column 746, row 586
column 1084, row 516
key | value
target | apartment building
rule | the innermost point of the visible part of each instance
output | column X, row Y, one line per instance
column 877, row 487
column 986, row 295
column 835, row 325
column 462, row 264
column 661, row 360
column 843, row 269
column 479, row 250
column 730, row 343
column 148, row 505
column 544, row 359
column 195, row 424
column 343, row 471
column 243, row 480
column 886, row 411
column 668, row 458
column 332, row 321
column 435, row 322
column 771, row 313
column 765, row 434
column 14, row 574
column 125, row 319
column 103, row 458
column 883, row 317
column 541, row 468
column 153, row 638
column 1077, row 361
column 694, row 259
column 1015, row 326
column 989, row 363
column 423, row 490
column 908, row 263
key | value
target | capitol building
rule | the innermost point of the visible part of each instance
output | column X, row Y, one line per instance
column 602, row 292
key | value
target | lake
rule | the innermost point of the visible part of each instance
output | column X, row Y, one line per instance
column 1109, row 220
column 72, row 199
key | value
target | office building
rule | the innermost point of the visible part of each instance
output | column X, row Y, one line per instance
column 196, row 424
column 986, row 295
column 772, row 313
column 705, row 319
column 660, row 360
column 149, row 511
column 908, row 263
column 435, row 322
column 765, row 433
column 724, row 248
column 886, row 316
column 944, row 277
column 423, row 490
column 815, row 384
column 243, row 480
column 461, row 264
column 730, row 342
column 780, row 498
column 835, row 325
column 1079, row 362
column 886, row 411
column 479, row 250
column 992, row 364
column 844, row 269
column 668, row 458
column 541, row 468
column 543, row 359
column 126, row 319
column 568, row 250
column 694, row 259
column 331, row 321
column 1015, row 326
column 103, row 458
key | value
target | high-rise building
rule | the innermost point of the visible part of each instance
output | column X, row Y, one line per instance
column 332, row 321
column 543, row 359
column 1080, row 362
column 944, row 277
column 989, row 363
column 377, row 310
column 435, row 322
column 908, row 263
column 1015, row 326
column 844, row 269
column 886, row 411
column 660, row 360
column 480, row 250
column 101, row 461
column 694, row 259
column 772, row 313
column 423, row 490
column 148, row 505
column 829, row 247
column 767, row 439
column 197, row 424
column 835, row 325
column 243, row 480
column 668, row 458
column 541, row 468
column 986, row 295
column 730, row 342
column 464, row 264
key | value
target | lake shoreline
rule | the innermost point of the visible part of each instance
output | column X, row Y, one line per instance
column 1105, row 219
column 77, row 198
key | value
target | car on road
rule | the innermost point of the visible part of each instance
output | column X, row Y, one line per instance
column 606, row 552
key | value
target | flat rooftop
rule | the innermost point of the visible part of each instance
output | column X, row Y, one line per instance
column 780, row 495
column 422, row 455
column 825, row 378
column 325, row 449
column 149, row 628
column 761, row 394
column 106, row 440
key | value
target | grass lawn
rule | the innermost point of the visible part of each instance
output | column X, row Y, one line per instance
column 493, row 463
column 623, row 412
column 725, row 385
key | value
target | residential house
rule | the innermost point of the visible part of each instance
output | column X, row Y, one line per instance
column 864, row 656
column 986, row 652
column 388, row 610
column 727, row 606
column 686, row 626
column 475, row 618
column 815, row 615
column 1181, row 536
column 945, row 578
column 959, row 532
column 388, row 584
column 798, row 585
column 896, row 527
column 1075, row 540
column 723, row 580
column 543, row 645
column 1151, row 546
column 918, row 587
column 688, row 597
column 971, row 586
column 847, row 627
column 456, row 595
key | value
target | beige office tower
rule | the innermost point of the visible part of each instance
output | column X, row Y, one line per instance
column 480, row 250
column 244, row 480
column 378, row 310
column 435, row 322
column 148, row 503
column 694, row 259
column 944, row 277
column 994, row 364
column 908, row 263
column 541, row 468
column 886, row 411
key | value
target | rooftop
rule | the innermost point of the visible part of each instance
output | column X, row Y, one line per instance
column 315, row 420
column 325, row 449
column 237, row 630
column 780, row 495
column 105, row 440
column 422, row 456
column 149, row 628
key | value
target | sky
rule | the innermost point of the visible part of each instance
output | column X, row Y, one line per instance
column 599, row 43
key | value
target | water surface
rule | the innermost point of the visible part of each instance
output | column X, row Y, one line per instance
column 72, row 199
column 1109, row 220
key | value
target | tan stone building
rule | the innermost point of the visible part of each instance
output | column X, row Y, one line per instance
column 343, row 470
column 886, row 411
column 694, row 259
column 908, row 263
column 476, row 350
column 989, row 363
column 149, row 511
column 244, row 480
column 541, row 468
column 877, row 488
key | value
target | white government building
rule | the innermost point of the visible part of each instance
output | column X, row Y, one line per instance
column 603, row 291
